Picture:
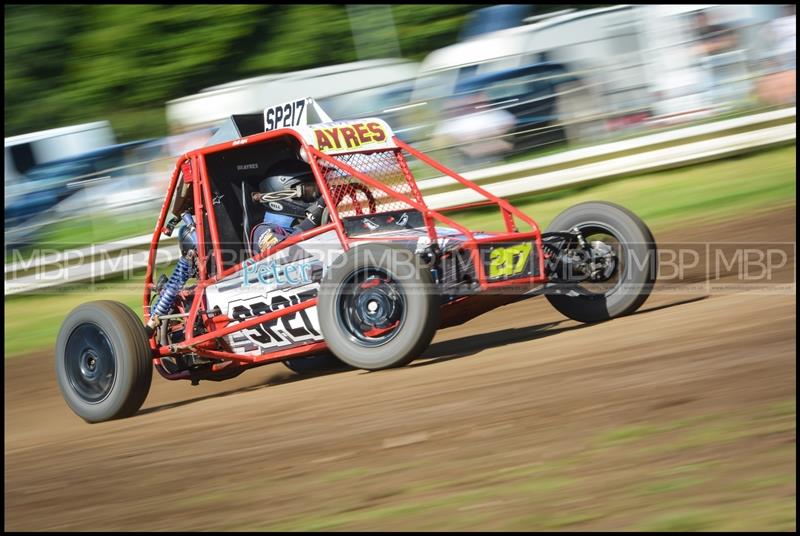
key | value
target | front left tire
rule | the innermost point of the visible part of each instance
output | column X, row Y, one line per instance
column 378, row 306
column 103, row 362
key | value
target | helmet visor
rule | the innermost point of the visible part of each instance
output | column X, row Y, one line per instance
column 308, row 190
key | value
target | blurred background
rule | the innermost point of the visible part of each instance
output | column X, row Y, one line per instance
column 99, row 100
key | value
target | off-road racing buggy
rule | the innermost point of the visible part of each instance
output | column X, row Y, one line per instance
column 368, row 287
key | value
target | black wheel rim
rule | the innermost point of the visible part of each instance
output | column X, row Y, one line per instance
column 593, row 232
column 90, row 363
column 371, row 307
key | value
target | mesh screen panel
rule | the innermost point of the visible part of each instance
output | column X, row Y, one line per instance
column 356, row 197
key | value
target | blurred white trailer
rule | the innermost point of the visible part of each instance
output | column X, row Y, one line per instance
column 327, row 85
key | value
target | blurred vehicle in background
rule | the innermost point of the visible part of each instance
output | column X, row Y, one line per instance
column 57, row 189
column 25, row 151
column 634, row 67
column 137, row 178
column 623, row 69
column 584, row 44
column 493, row 18
column 355, row 88
column 387, row 100
column 508, row 111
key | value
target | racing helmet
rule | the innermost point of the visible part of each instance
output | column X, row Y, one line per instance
column 292, row 177
column 287, row 191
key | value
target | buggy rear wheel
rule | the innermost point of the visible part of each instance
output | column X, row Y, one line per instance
column 378, row 307
column 103, row 362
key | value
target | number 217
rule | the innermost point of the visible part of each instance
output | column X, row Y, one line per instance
column 508, row 261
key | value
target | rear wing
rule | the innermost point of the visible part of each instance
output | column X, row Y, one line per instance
column 235, row 127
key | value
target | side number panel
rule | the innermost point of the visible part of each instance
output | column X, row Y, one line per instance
column 284, row 332
column 509, row 261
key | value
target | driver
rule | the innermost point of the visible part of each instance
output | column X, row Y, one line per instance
column 292, row 200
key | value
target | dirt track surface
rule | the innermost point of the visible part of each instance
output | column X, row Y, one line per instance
column 518, row 420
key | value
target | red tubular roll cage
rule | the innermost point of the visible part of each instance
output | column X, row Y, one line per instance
column 191, row 169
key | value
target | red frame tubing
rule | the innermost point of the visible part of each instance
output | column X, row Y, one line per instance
column 202, row 198
column 162, row 218
column 308, row 348
column 221, row 332
column 212, row 215
column 326, row 194
column 505, row 206
column 417, row 194
column 202, row 254
column 391, row 193
column 471, row 242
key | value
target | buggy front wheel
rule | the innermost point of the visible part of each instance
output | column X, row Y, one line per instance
column 622, row 237
column 378, row 307
column 103, row 362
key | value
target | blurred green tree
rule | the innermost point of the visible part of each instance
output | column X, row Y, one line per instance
column 67, row 64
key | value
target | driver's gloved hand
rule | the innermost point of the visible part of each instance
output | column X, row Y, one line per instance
column 315, row 211
column 313, row 215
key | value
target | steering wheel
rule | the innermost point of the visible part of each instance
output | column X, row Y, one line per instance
column 350, row 190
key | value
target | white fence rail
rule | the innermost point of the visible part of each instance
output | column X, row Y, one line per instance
column 649, row 161
column 505, row 180
column 607, row 150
